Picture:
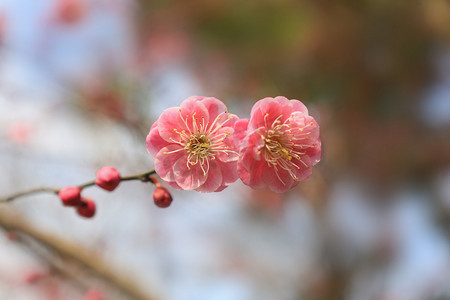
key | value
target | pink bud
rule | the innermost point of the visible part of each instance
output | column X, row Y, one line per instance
column 108, row 178
column 86, row 207
column 162, row 197
column 93, row 294
column 33, row 276
column 70, row 11
column 18, row 132
column 70, row 195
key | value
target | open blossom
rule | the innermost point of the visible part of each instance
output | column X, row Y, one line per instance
column 192, row 145
column 281, row 145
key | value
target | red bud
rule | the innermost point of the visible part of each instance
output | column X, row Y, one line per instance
column 70, row 195
column 108, row 178
column 162, row 197
column 86, row 207
column 93, row 294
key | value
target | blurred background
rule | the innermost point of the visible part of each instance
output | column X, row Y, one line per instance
column 81, row 82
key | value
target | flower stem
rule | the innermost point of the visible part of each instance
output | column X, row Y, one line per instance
column 144, row 177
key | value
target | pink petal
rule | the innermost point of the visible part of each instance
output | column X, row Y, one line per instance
column 228, row 142
column 164, row 162
column 315, row 153
column 251, row 147
column 188, row 178
column 273, row 182
column 297, row 106
column 229, row 172
column 168, row 122
column 253, row 175
column 263, row 107
column 191, row 109
column 154, row 142
column 214, row 179
column 240, row 131
column 174, row 185
column 214, row 107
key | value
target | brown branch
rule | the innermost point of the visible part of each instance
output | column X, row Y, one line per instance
column 73, row 251
column 52, row 264
column 144, row 177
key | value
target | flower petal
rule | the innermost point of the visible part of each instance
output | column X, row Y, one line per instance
column 214, row 179
column 274, row 183
column 165, row 159
column 252, row 172
column 188, row 178
column 154, row 142
column 214, row 107
column 193, row 114
column 240, row 131
column 168, row 123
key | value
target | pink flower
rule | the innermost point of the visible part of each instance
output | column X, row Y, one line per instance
column 193, row 147
column 281, row 145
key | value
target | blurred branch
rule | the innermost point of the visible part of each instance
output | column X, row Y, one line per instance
column 144, row 177
column 55, row 266
column 74, row 252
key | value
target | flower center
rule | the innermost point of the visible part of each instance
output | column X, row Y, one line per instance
column 202, row 140
column 198, row 145
column 281, row 145
column 274, row 145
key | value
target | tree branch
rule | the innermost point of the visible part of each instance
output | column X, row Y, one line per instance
column 73, row 251
column 144, row 177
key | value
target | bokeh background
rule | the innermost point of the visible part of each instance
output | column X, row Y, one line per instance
column 82, row 81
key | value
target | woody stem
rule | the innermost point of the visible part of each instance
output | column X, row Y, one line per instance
column 144, row 177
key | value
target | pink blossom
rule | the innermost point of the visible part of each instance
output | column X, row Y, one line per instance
column 281, row 145
column 193, row 146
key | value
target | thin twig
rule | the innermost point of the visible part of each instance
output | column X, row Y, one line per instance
column 144, row 177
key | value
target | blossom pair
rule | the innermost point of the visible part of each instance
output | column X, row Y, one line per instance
column 201, row 146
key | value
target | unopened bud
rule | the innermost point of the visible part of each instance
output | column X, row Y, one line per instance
column 108, row 178
column 70, row 11
column 93, row 294
column 70, row 195
column 162, row 197
column 86, row 207
column 32, row 277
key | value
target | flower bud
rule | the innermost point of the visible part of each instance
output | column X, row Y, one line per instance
column 93, row 294
column 33, row 276
column 70, row 11
column 86, row 207
column 162, row 197
column 108, row 178
column 70, row 195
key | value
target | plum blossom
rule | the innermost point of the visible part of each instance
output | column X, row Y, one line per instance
column 281, row 145
column 193, row 147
